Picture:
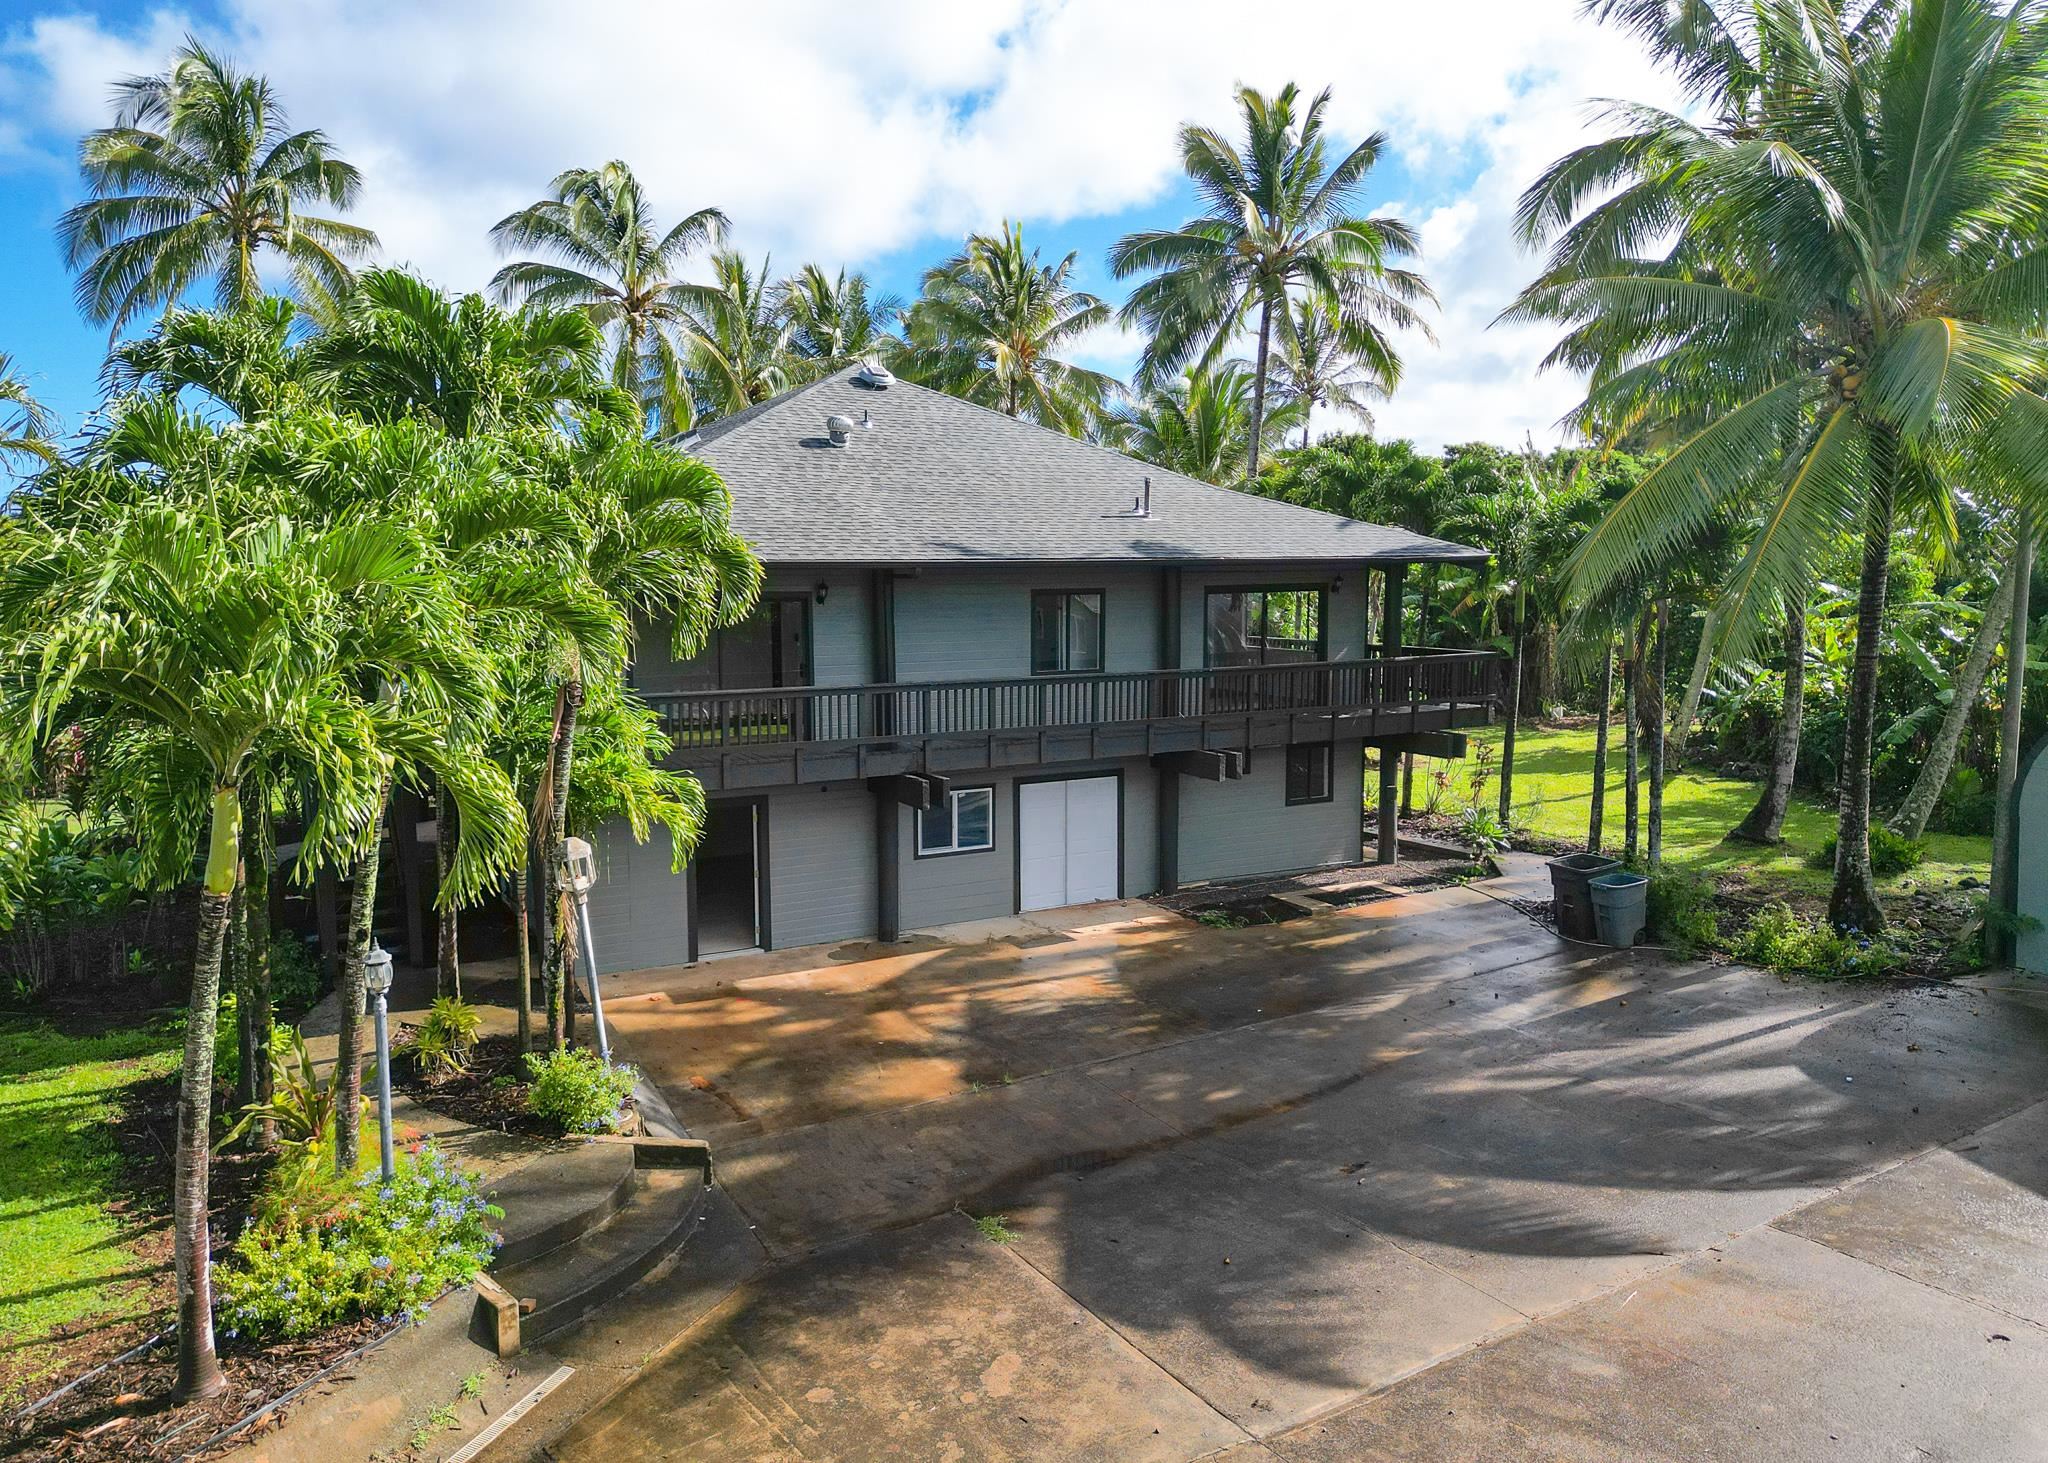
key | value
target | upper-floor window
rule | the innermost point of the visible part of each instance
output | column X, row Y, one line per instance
column 1263, row 626
column 1066, row 630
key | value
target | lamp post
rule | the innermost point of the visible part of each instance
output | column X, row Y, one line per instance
column 377, row 980
column 579, row 872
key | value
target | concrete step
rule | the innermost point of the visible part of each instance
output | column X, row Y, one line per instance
column 556, row 1200
column 568, row 1282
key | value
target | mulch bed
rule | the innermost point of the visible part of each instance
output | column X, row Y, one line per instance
column 491, row 1093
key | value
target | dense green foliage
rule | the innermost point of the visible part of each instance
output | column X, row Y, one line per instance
column 380, row 1250
column 577, row 1092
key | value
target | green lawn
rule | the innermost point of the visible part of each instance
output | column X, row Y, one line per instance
column 1554, row 791
column 65, row 1256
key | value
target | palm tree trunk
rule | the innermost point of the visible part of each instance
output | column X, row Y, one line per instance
column 521, row 917
column 348, row 1057
column 235, row 978
column 1597, row 814
column 1766, row 821
column 199, row 1373
column 1695, row 687
column 260, row 861
column 2005, row 839
column 1910, row 821
column 1853, row 903
column 1259, row 387
column 1653, row 720
column 1632, row 729
column 559, row 944
column 447, row 960
column 1507, row 742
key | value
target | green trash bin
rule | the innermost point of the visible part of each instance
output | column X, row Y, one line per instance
column 1571, row 898
column 1621, row 902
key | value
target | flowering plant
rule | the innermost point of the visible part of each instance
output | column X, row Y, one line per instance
column 385, row 1251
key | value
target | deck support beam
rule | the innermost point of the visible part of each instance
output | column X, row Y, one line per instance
column 1211, row 765
column 1450, row 746
column 919, row 790
column 1389, row 850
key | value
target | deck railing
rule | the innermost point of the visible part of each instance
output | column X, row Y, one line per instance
column 1392, row 684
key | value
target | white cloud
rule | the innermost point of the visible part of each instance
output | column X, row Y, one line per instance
column 840, row 132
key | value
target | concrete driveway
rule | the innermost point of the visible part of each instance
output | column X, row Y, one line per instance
column 1409, row 1180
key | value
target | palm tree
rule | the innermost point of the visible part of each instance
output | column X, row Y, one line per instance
column 610, row 259
column 26, row 425
column 197, row 176
column 739, row 349
column 1836, row 283
column 219, row 645
column 1200, row 425
column 1313, row 367
column 834, row 321
column 1277, row 221
column 992, row 324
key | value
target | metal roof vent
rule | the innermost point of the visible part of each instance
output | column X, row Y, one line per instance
column 837, row 427
column 877, row 375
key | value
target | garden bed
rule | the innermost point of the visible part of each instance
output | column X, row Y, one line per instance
column 1277, row 899
column 490, row 1093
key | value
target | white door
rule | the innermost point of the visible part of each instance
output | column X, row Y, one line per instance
column 1066, row 842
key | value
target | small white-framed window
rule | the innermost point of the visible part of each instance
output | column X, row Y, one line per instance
column 964, row 821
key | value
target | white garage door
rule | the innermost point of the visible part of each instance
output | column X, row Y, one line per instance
column 1066, row 842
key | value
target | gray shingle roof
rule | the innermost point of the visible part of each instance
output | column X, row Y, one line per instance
column 937, row 480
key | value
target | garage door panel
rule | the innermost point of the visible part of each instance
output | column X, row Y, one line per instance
column 1091, row 839
column 1067, row 842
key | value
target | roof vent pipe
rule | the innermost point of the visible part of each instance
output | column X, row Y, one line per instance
column 837, row 427
column 1145, row 505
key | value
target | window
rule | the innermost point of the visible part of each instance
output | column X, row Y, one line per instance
column 1308, row 773
column 1066, row 630
column 1263, row 626
column 963, row 822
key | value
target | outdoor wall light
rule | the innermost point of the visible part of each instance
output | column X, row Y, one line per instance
column 822, row 587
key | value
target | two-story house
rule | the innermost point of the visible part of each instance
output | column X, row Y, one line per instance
column 996, row 669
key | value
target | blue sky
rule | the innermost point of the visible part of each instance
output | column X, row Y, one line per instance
column 871, row 136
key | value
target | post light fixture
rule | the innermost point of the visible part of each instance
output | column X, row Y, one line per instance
column 377, row 981
column 579, row 874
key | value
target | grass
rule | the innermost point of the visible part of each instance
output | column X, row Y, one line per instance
column 65, row 1250
column 1554, row 791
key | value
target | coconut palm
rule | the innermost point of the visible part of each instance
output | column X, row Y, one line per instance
column 196, row 178
column 1836, row 282
column 608, row 257
column 1200, row 425
column 26, row 425
column 739, row 350
column 1277, row 221
column 1312, row 367
column 834, row 321
column 993, row 323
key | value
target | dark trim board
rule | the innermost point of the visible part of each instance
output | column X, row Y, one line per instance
column 1017, row 828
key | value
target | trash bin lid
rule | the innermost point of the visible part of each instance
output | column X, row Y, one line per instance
column 1585, row 863
column 1618, row 879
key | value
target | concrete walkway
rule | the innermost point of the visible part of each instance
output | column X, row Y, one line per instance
column 1408, row 1180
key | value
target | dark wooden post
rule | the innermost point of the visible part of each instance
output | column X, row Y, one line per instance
column 1169, row 830
column 1389, row 850
column 888, row 867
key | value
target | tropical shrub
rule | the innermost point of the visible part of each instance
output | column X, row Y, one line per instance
column 1783, row 940
column 577, row 1092
column 296, row 981
column 441, row 1045
column 1681, row 911
column 1890, row 853
column 1481, row 827
column 301, row 1108
column 385, row 1250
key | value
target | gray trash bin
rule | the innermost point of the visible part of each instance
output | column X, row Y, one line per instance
column 1620, row 903
column 1571, row 899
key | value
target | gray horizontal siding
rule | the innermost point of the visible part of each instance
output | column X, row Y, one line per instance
column 1231, row 829
column 938, row 891
column 972, row 625
column 821, row 865
column 637, row 910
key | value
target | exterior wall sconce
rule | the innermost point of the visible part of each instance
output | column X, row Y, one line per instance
column 822, row 587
